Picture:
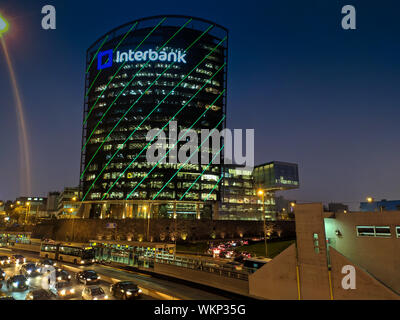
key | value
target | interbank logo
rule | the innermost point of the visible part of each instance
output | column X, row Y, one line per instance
column 105, row 58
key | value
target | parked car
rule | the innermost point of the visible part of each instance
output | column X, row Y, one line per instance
column 40, row 294
column 125, row 290
column 94, row 293
column 18, row 282
column 87, row 277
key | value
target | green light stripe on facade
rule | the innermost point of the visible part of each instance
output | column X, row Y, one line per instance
column 112, row 130
column 98, row 176
column 90, row 88
column 101, row 46
column 186, row 160
column 202, row 173
column 122, row 65
column 137, row 156
column 209, row 28
column 213, row 188
column 104, row 114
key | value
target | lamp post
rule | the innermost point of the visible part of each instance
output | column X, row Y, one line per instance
column 28, row 209
column 262, row 193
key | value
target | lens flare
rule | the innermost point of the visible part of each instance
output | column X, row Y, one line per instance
column 3, row 25
column 25, row 171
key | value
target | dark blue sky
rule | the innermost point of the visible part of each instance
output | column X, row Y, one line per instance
column 317, row 95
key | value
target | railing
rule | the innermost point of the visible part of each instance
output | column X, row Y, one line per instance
column 206, row 266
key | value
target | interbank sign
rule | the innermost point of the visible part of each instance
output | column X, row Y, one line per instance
column 105, row 58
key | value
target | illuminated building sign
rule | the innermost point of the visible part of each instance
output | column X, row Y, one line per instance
column 105, row 58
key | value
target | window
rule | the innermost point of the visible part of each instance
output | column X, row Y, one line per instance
column 382, row 231
column 398, row 232
column 365, row 231
column 375, row 231
column 316, row 243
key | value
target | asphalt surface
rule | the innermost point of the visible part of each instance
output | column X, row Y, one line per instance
column 176, row 289
column 35, row 283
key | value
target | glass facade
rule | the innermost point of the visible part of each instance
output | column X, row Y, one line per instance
column 162, row 69
column 277, row 176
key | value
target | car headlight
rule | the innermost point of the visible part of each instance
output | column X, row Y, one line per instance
column 94, row 298
column 4, row 274
column 15, row 284
column 83, row 261
column 129, row 293
column 140, row 291
column 98, row 277
column 72, row 290
column 69, row 277
column 59, row 278
column 88, row 279
column 62, row 292
column 29, row 271
column 105, row 297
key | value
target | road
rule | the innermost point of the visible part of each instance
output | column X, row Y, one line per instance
column 172, row 288
column 36, row 283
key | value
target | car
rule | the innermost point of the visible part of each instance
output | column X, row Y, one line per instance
column 63, row 275
column 29, row 270
column 5, row 296
column 2, row 274
column 46, row 263
column 5, row 260
column 235, row 265
column 18, row 259
column 94, row 293
column 18, row 282
column 87, row 277
column 63, row 290
column 40, row 294
column 125, row 290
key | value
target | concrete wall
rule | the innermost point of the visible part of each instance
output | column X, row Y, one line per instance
column 277, row 279
column 160, row 229
column 377, row 255
column 205, row 278
column 313, row 267
column 367, row 287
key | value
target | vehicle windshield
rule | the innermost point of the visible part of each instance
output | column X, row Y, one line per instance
column 30, row 266
column 18, row 257
column 3, row 257
column 97, row 291
column 90, row 273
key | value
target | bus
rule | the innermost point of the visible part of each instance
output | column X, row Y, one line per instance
column 76, row 253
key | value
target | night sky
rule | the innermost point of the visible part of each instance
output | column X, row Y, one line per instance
column 320, row 96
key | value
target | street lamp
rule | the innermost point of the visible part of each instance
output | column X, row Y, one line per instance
column 28, row 209
column 4, row 26
column 74, row 199
column 261, row 193
column 370, row 199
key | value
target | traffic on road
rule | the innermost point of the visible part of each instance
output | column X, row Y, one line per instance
column 22, row 278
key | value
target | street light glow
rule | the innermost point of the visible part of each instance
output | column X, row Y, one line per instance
column 369, row 199
column 3, row 25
